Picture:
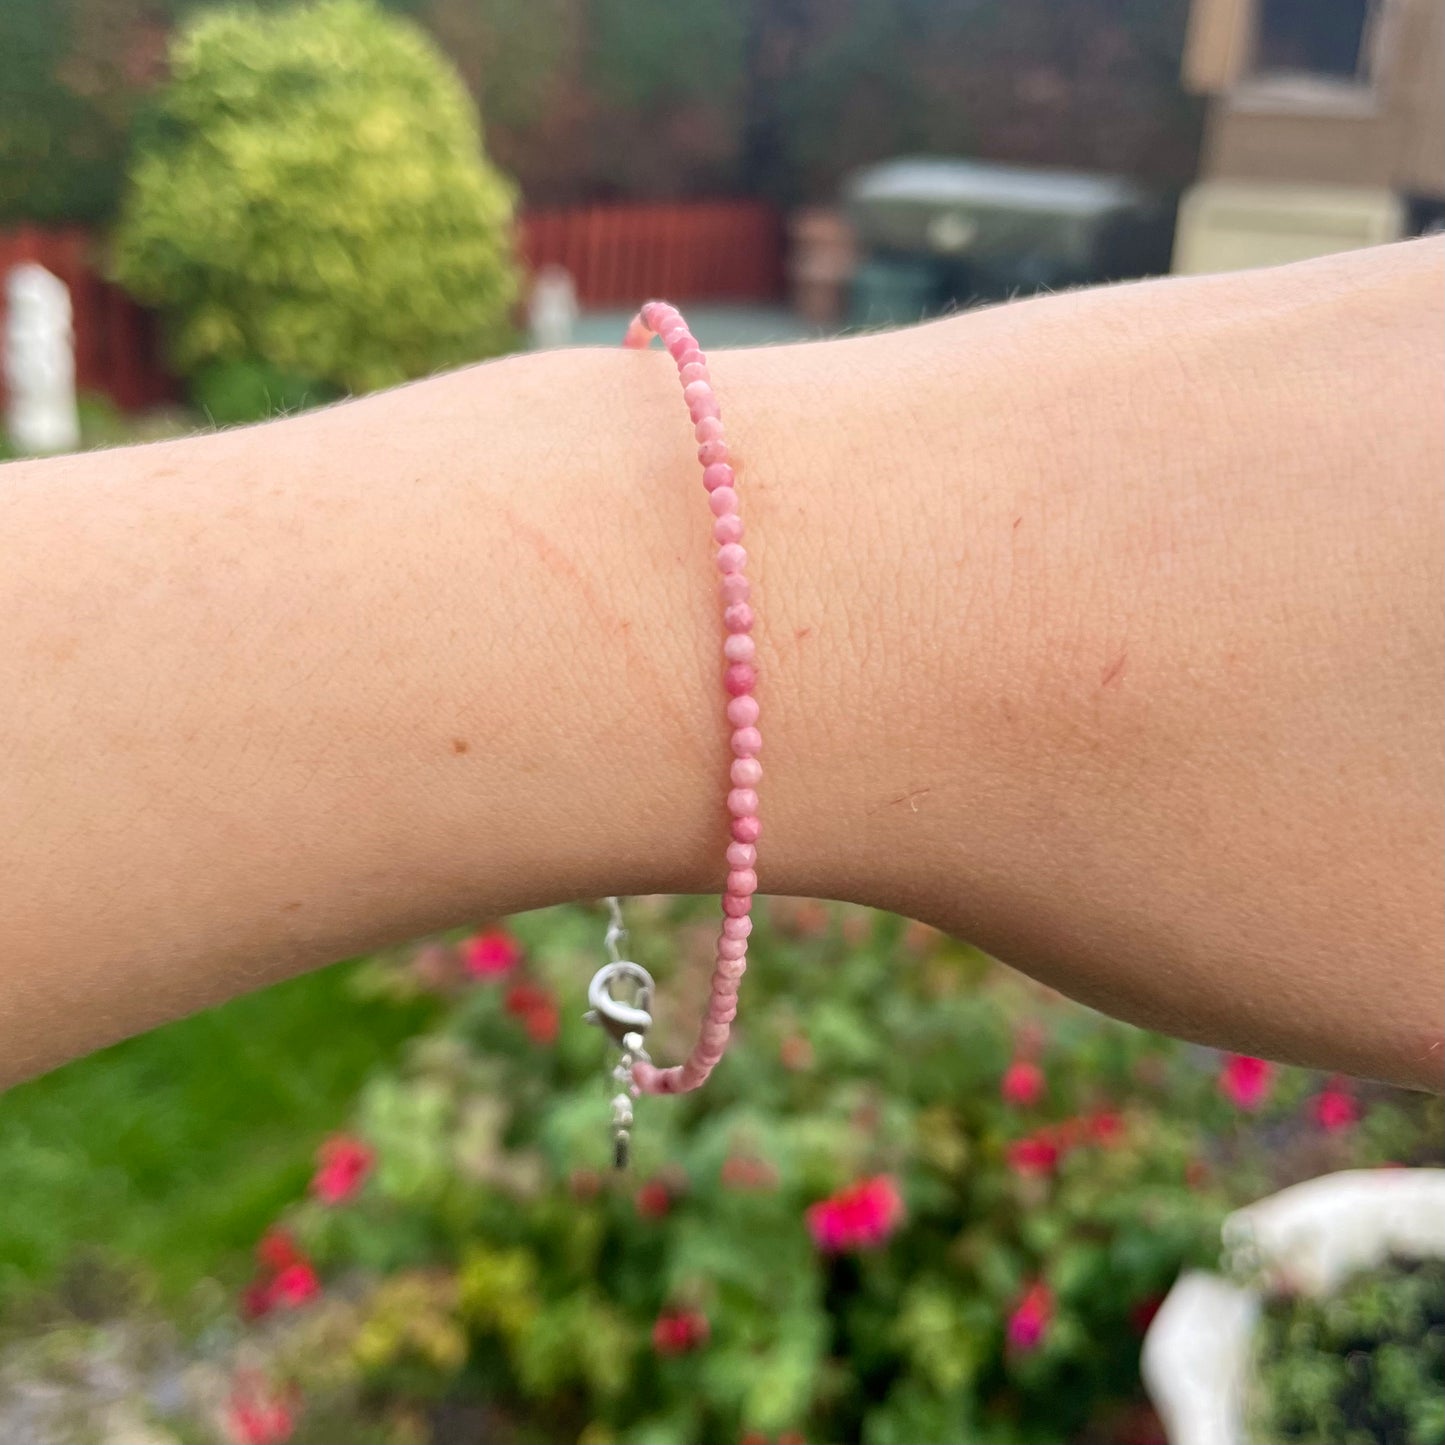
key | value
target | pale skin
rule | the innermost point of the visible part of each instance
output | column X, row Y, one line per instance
column 1104, row 630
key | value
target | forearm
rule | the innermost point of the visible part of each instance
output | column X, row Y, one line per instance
column 1104, row 630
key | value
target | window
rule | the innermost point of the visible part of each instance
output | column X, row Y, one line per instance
column 1324, row 39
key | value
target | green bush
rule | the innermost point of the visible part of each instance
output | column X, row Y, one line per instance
column 923, row 1200
column 310, row 192
column 1366, row 1364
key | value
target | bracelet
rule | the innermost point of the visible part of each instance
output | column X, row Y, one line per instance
column 626, row 1020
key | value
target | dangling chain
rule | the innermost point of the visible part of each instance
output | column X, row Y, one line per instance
column 625, row 1024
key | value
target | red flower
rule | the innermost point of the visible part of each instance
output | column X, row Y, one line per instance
column 742, row 1171
column 1029, row 1322
column 276, row 1249
column 862, row 1216
column 1106, row 1127
column 677, row 1332
column 653, row 1200
column 1246, row 1082
column 294, row 1285
column 1335, row 1108
column 491, row 954
column 258, row 1414
column 342, row 1165
column 1023, row 1083
column 1141, row 1316
column 537, row 1009
column 256, row 1300
column 1034, row 1155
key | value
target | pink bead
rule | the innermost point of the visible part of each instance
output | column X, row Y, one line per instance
column 742, row 881
column 737, row 905
column 738, row 927
column 691, row 372
column 738, row 617
column 742, row 802
column 734, row 587
column 743, row 712
column 709, row 429
column 722, row 500
column 719, row 474
column 728, row 529
column 746, row 743
column 731, row 558
column 658, row 314
column 691, row 358
column 745, row 773
column 741, row 855
column 712, row 454
column 696, row 391
column 739, row 678
column 732, row 948
column 747, row 830
column 678, row 342
column 739, row 647
column 730, row 970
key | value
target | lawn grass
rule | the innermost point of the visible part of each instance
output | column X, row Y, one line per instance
column 172, row 1151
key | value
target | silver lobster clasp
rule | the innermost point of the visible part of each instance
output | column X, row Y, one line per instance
column 616, row 1017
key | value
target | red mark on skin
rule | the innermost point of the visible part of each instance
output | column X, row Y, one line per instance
column 1018, row 522
column 289, row 907
column 460, row 745
column 1114, row 671
column 803, row 632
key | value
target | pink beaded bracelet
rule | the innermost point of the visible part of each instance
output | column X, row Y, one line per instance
column 628, row 1021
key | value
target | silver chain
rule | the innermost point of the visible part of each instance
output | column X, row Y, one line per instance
column 624, row 1023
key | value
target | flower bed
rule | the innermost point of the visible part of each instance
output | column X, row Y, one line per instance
column 923, row 1200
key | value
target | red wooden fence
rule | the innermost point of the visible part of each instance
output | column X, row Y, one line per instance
column 617, row 255
column 117, row 343
column 698, row 251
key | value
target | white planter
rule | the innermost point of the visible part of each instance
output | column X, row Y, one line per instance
column 1197, row 1352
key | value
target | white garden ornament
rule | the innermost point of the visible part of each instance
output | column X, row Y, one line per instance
column 1196, row 1356
column 39, row 362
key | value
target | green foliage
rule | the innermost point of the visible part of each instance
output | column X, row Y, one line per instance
column 868, row 1047
column 310, row 192
column 231, row 393
column 1365, row 1364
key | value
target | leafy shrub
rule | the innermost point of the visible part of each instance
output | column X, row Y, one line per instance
column 310, row 192
column 923, row 1200
column 230, row 393
column 1366, row 1364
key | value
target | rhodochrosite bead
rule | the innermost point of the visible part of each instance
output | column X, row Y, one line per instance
column 739, row 678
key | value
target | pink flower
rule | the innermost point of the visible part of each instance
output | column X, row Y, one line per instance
column 295, row 1285
column 342, row 1166
column 1335, row 1108
column 678, row 1332
column 537, row 1009
column 1246, row 1082
column 862, row 1216
column 1034, row 1155
column 287, row 1278
column 491, row 954
column 1106, row 1128
column 1029, row 1322
column 1023, row 1083
column 258, row 1414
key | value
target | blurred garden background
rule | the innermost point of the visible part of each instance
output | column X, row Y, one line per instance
column 925, row 1200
